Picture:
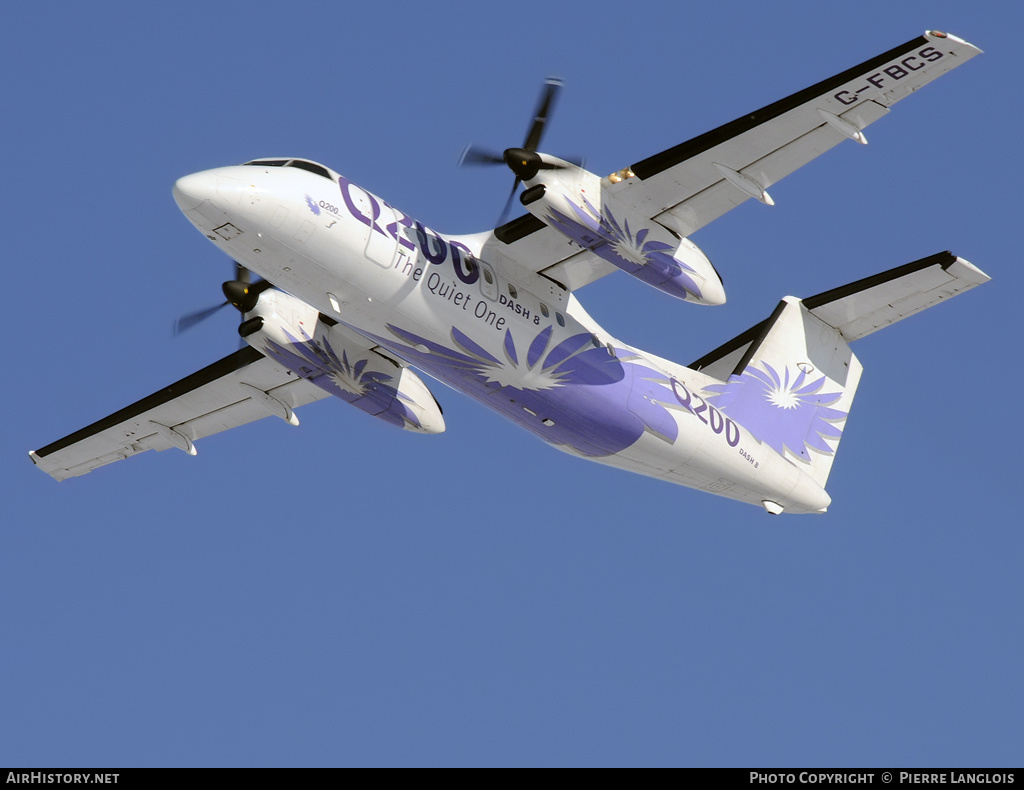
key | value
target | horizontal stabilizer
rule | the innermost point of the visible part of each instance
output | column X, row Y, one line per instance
column 862, row 307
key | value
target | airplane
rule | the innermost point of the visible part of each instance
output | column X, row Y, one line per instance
column 355, row 294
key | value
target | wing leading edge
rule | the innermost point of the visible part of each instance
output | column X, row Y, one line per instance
column 241, row 388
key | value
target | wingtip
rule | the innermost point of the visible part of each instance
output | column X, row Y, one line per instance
column 942, row 35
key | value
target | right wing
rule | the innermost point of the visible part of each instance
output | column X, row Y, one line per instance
column 238, row 389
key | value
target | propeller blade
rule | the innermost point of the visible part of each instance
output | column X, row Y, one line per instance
column 189, row 320
column 480, row 156
column 508, row 203
column 544, row 109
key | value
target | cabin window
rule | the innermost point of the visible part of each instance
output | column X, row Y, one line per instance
column 512, row 291
column 489, row 277
column 559, row 319
column 544, row 310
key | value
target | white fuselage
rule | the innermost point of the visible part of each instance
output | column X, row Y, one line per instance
column 486, row 326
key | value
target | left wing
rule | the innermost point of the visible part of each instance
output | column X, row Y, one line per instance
column 693, row 183
column 688, row 186
column 238, row 389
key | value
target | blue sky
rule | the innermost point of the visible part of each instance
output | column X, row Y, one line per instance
column 348, row 594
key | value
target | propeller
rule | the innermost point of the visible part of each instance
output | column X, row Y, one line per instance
column 241, row 293
column 525, row 162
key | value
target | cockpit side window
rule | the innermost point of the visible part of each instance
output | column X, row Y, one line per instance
column 267, row 163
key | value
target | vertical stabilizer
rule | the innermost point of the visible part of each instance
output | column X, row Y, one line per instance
column 793, row 387
column 791, row 379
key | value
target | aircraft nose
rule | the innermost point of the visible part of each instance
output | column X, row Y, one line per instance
column 190, row 191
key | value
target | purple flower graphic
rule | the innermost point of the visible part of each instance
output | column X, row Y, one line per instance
column 573, row 392
column 351, row 381
column 604, row 235
column 312, row 205
column 783, row 411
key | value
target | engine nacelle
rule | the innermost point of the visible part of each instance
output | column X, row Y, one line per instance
column 326, row 354
column 576, row 202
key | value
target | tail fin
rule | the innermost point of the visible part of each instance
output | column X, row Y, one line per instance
column 793, row 387
column 791, row 379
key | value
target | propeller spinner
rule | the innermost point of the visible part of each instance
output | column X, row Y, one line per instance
column 240, row 293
